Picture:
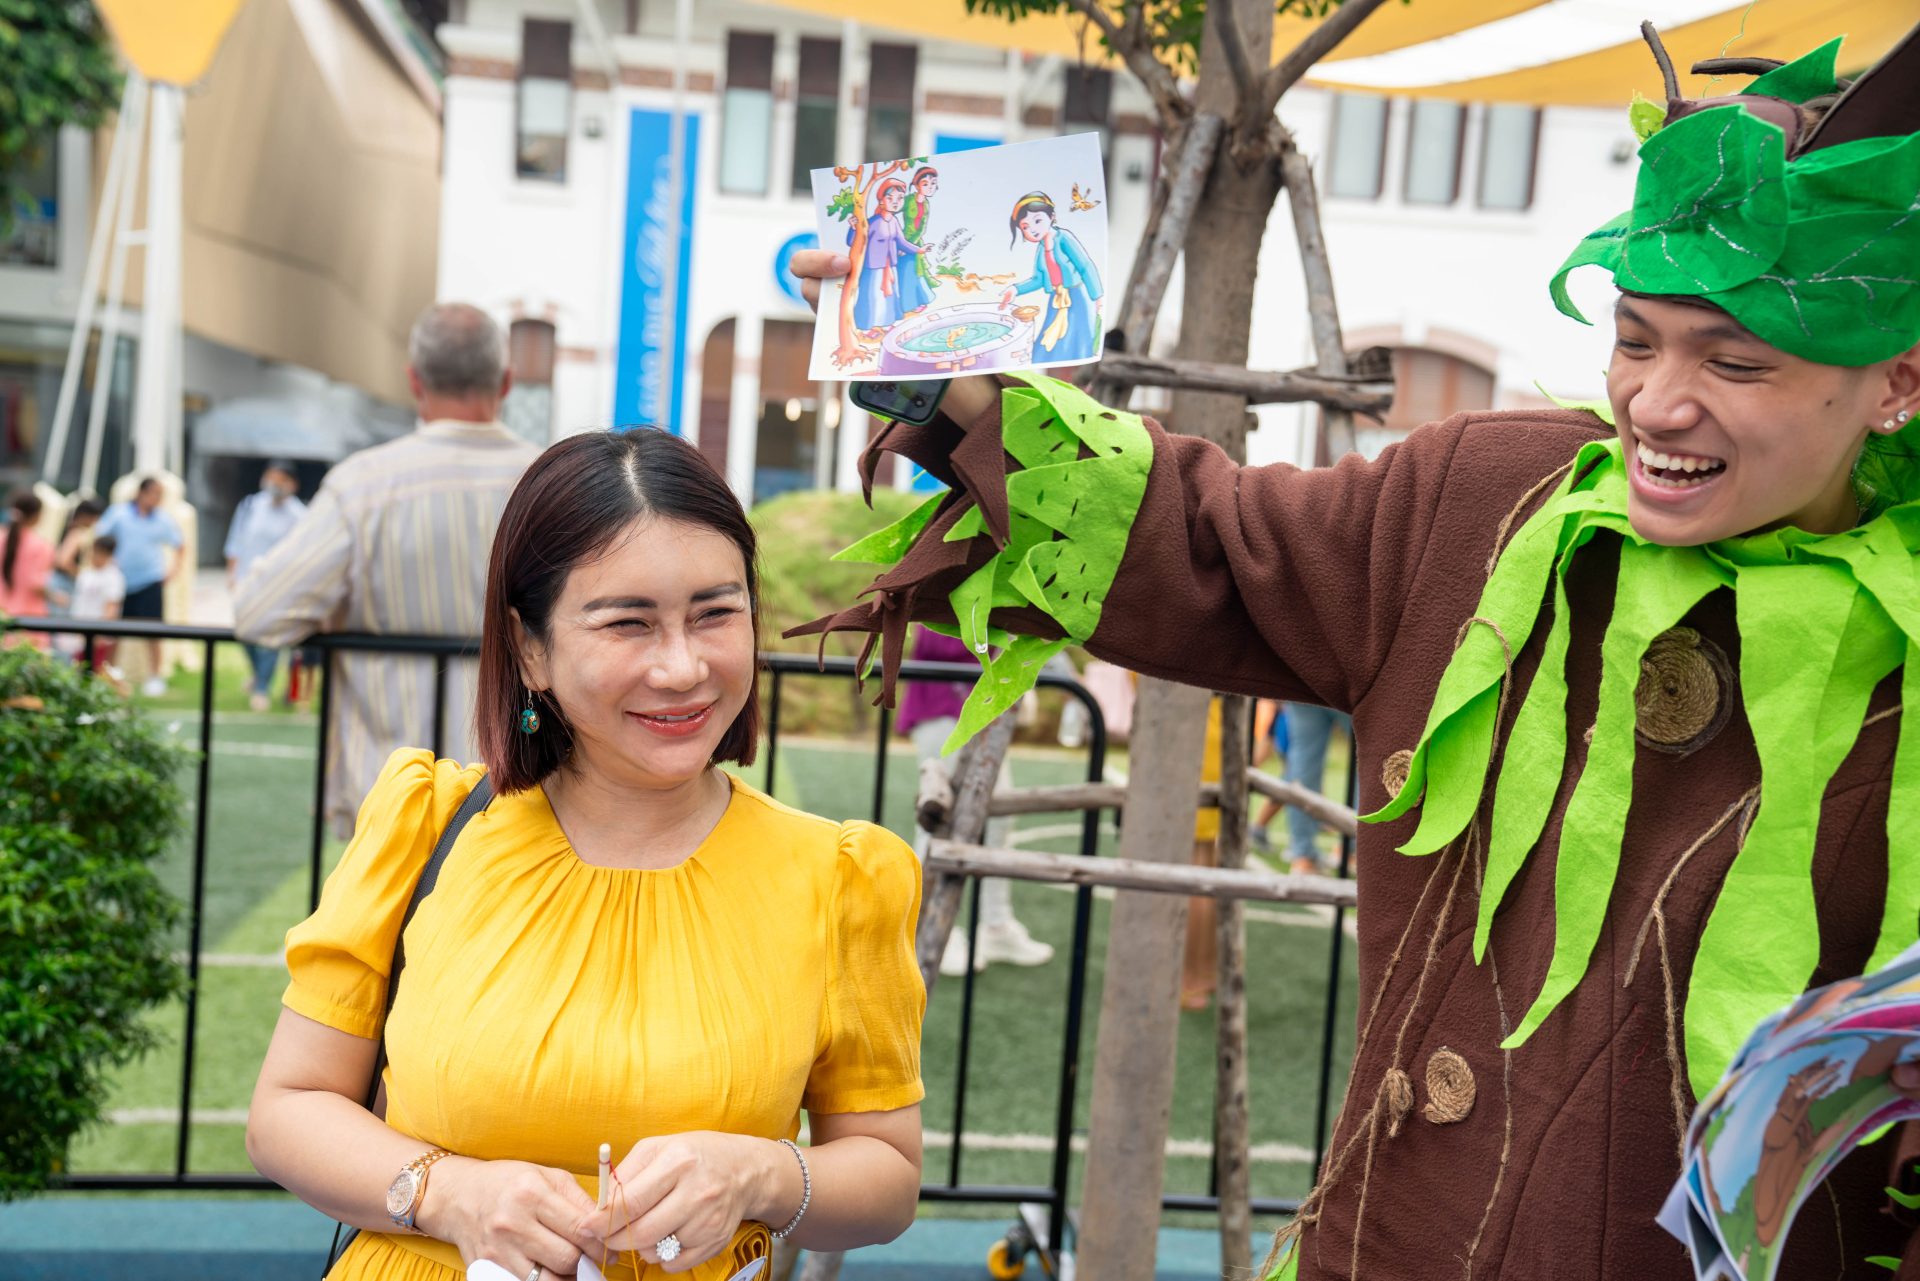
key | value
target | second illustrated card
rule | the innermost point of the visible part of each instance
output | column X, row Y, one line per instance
column 964, row 263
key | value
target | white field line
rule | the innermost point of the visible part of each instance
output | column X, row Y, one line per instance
column 1270, row 1153
column 279, row 751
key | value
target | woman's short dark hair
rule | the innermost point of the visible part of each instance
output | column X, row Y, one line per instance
column 568, row 509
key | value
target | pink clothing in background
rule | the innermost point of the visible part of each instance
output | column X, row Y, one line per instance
column 930, row 700
column 26, row 594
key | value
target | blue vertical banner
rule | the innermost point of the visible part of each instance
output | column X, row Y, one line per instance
column 651, row 359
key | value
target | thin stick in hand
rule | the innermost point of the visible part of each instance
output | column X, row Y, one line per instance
column 606, row 1168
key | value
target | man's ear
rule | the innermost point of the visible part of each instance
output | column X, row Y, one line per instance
column 532, row 655
column 1902, row 390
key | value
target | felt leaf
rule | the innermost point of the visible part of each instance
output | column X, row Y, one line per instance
column 1811, row 75
column 1812, row 647
column 972, row 524
column 1529, row 780
column 972, row 602
column 889, row 546
column 1656, row 587
column 1032, row 432
column 1008, row 676
column 1710, row 206
column 1600, row 247
column 1104, row 431
column 1645, row 117
column 1908, row 1199
column 1457, row 744
column 1900, row 912
column 1601, row 409
column 1886, row 1261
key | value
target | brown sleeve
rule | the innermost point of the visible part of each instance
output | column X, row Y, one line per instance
column 1270, row 581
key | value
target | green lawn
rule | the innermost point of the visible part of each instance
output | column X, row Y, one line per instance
column 259, row 830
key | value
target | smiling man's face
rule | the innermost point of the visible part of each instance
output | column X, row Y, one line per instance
column 1725, row 434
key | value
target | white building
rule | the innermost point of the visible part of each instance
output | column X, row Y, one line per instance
column 1444, row 221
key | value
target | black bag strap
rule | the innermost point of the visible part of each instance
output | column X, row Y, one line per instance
column 476, row 801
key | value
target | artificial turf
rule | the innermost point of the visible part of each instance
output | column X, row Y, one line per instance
column 256, row 885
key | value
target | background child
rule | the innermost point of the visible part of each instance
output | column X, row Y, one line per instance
column 99, row 590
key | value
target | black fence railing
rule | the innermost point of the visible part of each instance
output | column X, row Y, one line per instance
column 779, row 668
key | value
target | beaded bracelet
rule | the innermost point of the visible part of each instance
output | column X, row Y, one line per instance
column 806, row 1188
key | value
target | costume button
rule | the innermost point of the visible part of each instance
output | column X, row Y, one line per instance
column 1681, row 701
column 1450, row 1088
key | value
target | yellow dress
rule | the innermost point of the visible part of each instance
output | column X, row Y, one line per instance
column 549, row 1005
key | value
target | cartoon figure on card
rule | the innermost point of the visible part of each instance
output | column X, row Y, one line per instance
column 880, row 303
column 917, row 290
column 1063, row 271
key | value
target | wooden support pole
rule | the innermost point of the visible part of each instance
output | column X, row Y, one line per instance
column 1344, row 392
column 1074, row 797
column 975, row 770
column 1323, row 314
column 1167, row 232
column 1232, row 1157
column 1156, row 876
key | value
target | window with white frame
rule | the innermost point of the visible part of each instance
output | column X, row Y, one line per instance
column 1509, row 149
column 816, row 111
column 746, row 113
column 1434, row 135
column 1357, row 151
column 890, row 83
column 544, row 99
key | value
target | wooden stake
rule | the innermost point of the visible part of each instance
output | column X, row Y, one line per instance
column 1341, row 391
column 1231, row 1155
column 1323, row 315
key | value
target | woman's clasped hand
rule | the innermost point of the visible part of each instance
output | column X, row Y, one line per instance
column 513, row 1213
column 697, row 1188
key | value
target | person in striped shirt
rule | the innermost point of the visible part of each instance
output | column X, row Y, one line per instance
column 396, row 542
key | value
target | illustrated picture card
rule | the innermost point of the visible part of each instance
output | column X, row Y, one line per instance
column 964, row 263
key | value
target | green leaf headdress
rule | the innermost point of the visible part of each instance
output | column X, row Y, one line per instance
column 1803, row 224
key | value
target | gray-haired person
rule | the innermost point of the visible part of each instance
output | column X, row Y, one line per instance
column 396, row 541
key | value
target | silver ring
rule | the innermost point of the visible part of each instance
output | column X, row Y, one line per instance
column 668, row 1248
column 535, row 1274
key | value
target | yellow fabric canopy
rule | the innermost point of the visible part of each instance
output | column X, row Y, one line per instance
column 1610, row 77
column 1602, row 77
column 1397, row 25
column 172, row 43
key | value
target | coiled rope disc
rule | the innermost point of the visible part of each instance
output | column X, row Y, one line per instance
column 1682, row 699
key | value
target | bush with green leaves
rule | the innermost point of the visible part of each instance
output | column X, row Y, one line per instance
column 56, row 67
column 88, row 803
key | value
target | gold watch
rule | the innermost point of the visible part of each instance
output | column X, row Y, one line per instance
column 409, row 1188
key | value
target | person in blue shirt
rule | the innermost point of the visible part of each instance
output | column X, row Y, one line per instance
column 262, row 519
column 1070, row 324
column 148, row 544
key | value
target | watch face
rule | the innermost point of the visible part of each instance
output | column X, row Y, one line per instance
column 401, row 1192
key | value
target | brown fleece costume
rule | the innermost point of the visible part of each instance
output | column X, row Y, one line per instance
column 1348, row 587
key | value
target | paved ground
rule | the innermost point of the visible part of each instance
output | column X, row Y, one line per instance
column 227, row 1238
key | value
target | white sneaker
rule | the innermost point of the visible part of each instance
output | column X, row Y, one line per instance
column 155, row 687
column 953, row 961
column 1011, row 944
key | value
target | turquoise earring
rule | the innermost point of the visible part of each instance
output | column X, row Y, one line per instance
column 529, row 719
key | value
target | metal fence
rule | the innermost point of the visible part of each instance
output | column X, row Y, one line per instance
column 779, row 668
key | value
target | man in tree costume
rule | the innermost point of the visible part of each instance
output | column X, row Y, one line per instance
column 1626, row 683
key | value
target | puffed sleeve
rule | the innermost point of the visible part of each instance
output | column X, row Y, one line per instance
column 340, row 956
column 869, row 1059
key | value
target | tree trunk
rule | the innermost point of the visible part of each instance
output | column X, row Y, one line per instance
column 1139, row 1004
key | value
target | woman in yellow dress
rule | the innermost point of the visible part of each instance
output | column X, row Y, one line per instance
column 627, row 945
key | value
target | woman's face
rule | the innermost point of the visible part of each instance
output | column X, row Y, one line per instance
column 894, row 199
column 1035, row 224
column 650, row 653
column 1724, row 434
